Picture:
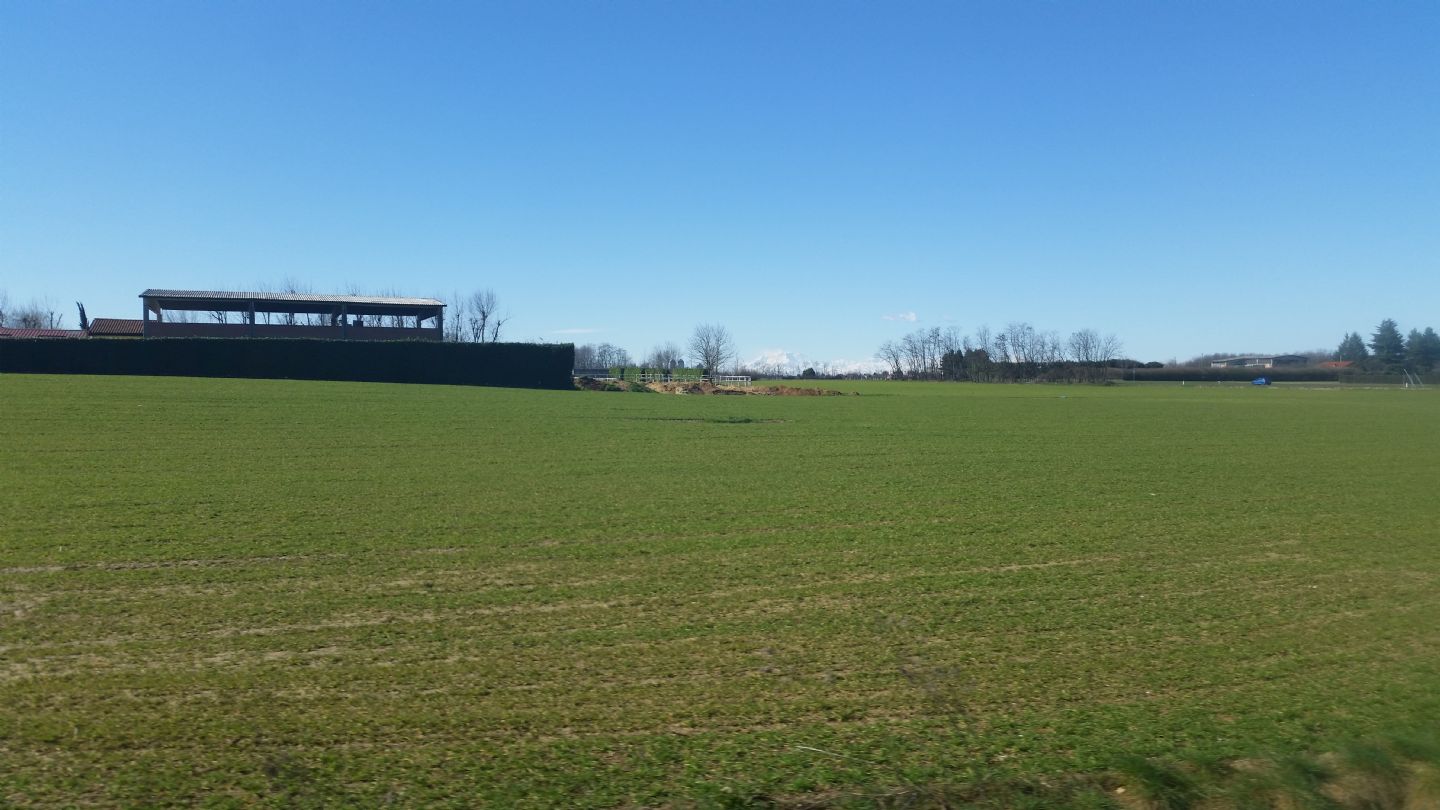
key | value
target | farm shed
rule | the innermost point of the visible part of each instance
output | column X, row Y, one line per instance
column 40, row 333
column 293, row 315
column 116, row 327
column 1260, row 361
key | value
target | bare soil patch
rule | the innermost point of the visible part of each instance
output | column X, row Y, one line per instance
column 709, row 389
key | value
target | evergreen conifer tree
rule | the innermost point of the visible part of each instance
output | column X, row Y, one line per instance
column 1352, row 348
column 1387, row 344
column 1422, row 350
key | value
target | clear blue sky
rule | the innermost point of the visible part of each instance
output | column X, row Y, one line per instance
column 1191, row 176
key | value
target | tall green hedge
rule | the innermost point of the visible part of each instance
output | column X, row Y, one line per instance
column 1232, row 374
column 1281, row 374
column 513, row 365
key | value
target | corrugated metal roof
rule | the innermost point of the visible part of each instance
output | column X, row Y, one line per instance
column 117, row 326
column 1256, row 357
column 41, row 333
column 302, row 298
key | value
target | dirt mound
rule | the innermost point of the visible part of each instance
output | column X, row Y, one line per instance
column 708, row 389
column 592, row 384
column 691, row 387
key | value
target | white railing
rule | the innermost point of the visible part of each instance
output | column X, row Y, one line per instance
column 740, row 380
column 645, row 378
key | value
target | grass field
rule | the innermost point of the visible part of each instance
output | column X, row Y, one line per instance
column 239, row 592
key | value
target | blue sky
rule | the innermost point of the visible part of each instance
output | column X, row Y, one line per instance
column 1193, row 177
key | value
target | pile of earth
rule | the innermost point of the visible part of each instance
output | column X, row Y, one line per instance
column 592, row 384
column 705, row 388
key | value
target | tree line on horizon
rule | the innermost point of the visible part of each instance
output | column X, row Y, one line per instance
column 37, row 314
column 1019, row 352
column 1389, row 351
column 711, row 347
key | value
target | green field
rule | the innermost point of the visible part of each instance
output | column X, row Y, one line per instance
column 235, row 592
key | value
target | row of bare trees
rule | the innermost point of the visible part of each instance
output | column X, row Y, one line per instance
column 37, row 314
column 1017, row 352
column 921, row 353
column 710, row 347
column 474, row 318
column 601, row 355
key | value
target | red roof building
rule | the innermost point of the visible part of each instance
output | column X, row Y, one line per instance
column 116, row 327
column 6, row 332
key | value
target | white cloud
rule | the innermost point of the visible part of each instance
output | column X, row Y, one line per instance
column 908, row 317
column 578, row 330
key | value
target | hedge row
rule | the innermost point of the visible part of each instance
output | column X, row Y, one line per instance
column 1194, row 374
column 513, row 365
column 1284, row 374
column 1376, row 378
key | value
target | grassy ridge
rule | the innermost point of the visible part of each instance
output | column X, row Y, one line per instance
column 319, row 592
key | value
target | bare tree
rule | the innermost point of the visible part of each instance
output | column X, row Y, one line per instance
column 925, row 353
column 1089, row 346
column 982, row 340
column 1084, row 346
column 585, row 356
column 893, row 356
column 484, row 318
column 1021, row 339
column 1000, row 348
column 951, row 340
column 1054, row 347
column 38, row 315
column 666, row 355
column 456, row 318
column 610, row 356
column 712, row 347
column 4, row 308
column 917, row 354
column 1110, row 348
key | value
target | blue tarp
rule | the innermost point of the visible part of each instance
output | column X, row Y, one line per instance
column 1260, row 381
